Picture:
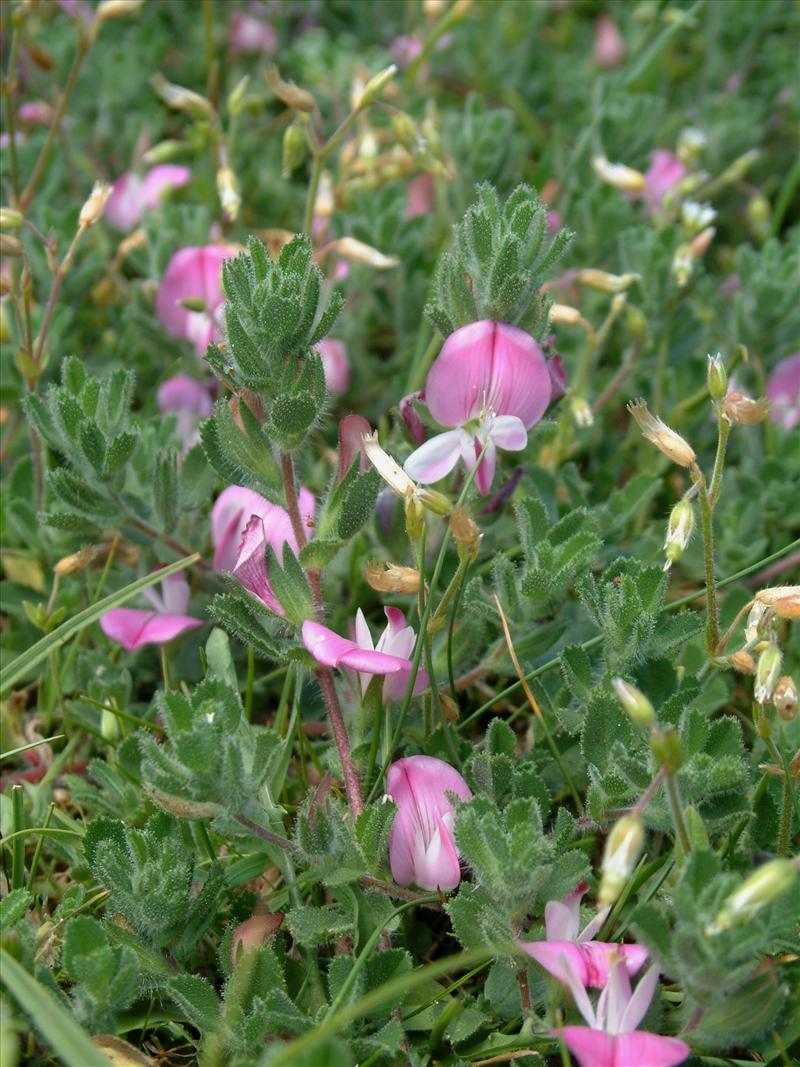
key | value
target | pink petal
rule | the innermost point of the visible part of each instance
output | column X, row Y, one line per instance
column 562, row 918
column 307, row 503
column 124, row 208
column 232, row 512
column 156, row 181
column 591, row 1048
column 359, row 659
column 641, row 1049
column 175, row 592
column 184, row 394
column 572, row 978
column 193, row 274
column 410, row 416
column 609, row 47
column 509, row 433
column 665, row 171
column 395, row 686
column 783, row 391
column 351, row 444
column 436, row 865
column 636, row 1005
column 421, row 190
column 247, row 34
column 558, row 377
column 551, row 954
column 335, row 364
column 488, row 365
column 331, row 650
column 250, row 568
column 131, row 627
column 486, row 469
column 436, row 458
column 363, row 636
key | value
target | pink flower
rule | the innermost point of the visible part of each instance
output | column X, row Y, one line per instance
column 590, row 959
column 351, row 444
column 558, row 377
column 247, row 34
column 131, row 195
column 243, row 524
column 397, row 639
column 783, row 390
column 611, row 1038
column 609, row 47
column 553, row 222
column 491, row 383
column 133, row 627
column 405, row 49
column 331, row 650
column 421, row 847
column 420, row 195
column 410, row 416
column 190, row 400
column 335, row 364
column 664, row 172
column 194, row 274
column 35, row 113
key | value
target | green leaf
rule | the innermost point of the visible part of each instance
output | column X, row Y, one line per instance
column 313, row 926
column 55, row 1024
column 197, row 1000
column 13, row 907
column 20, row 667
column 576, row 669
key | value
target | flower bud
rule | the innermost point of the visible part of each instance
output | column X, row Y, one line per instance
column 691, row 143
column 659, row 434
column 180, row 98
column 228, row 191
column 376, row 85
column 742, row 662
column 682, row 265
column 294, row 149
column 623, row 846
column 415, row 518
column 253, row 933
column 667, row 749
column 636, row 321
column 10, row 246
column 785, row 698
column 783, row 599
column 109, row 726
column 581, row 411
column 679, row 531
column 618, row 175
column 737, row 170
column 565, row 315
column 163, row 152
column 10, row 218
column 605, row 282
column 92, row 210
column 237, row 95
column 768, row 671
column 406, row 132
column 291, row 95
column 759, row 215
column 764, row 886
column 634, row 703
column 699, row 245
column 464, row 529
column 116, row 9
column 433, row 500
column 353, row 249
column 392, row 578
column 717, row 378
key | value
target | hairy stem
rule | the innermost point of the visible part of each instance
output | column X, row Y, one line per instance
column 677, row 814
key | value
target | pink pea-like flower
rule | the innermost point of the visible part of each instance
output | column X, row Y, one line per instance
column 611, row 1038
column 352, row 429
column 331, row 650
column 783, row 391
column 491, row 383
column 590, row 959
column 397, row 639
column 131, row 195
column 419, row 198
column 664, row 172
column 609, row 47
column 194, row 274
column 190, row 400
column 421, row 847
column 134, row 627
column 243, row 524
column 248, row 34
column 335, row 364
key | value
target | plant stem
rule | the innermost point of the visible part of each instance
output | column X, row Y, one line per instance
column 719, row 461
column 706, row 516
column 677, row 814
column 787, row 802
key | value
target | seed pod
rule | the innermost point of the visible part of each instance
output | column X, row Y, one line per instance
column 783, row 599
column 464, row 528
column 717, row 378
column 92, row 210
column 744, row 410
column 618, row 175
column 768, row 671
column 294, row 149
column 634, row 703
column 659, row 434
column 292, row 95
column 679, row 530
column 764, row 886
column 623, row 847
column 742, row 662
column 785, row 698
column 392, row 578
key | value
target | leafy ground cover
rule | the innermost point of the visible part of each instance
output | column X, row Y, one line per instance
column 400, row 413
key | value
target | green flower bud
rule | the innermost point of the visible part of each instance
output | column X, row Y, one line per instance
column 623, row 846
column 415, row 518
column 294, row 149
column 433, row 500
column 667, row 749
column 376, row 85
column 10, row 218
column 768, row 671
column 679, row 530
column 763, row 887
column 717, row 378
column 634, row 703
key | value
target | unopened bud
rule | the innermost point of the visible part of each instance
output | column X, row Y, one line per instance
column 415, row 518
column 763, row 887
column 618, row 175
column 292, row 95
column 92, row 210
column 717, row 378
column 783, row 599
column 376, row 85
column 742, row 662
column 768, row 671
column 659, row 434
column 605, row 282
column 464, row 529
column 253, row 933
column 116, row 9
column 433, row 500
column 699, row 245
column 565, row 315
column 10, row 246
column 785, row 698
column 109, row 726
column 180, row 98
column 623, row 847
column 634, row 703
column 737, row 170
column 10, row 218
column 667, row 749
column 581, row 411
column 353, row 249
column 237, row 95
column 392, row 578
column 294, row 149
column 679, row 530
column 636, row 322
column 759, row 215
column 744, row 410
column 163, row 152
column 228, row 191
column 406, row 132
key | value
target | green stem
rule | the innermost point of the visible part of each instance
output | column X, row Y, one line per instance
column 719, row 461
column 9, row 83
column 707, row 521
column 677, row 814
column 787, row 802
column 248, row 692
column 18, row 847
column 311, row 195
